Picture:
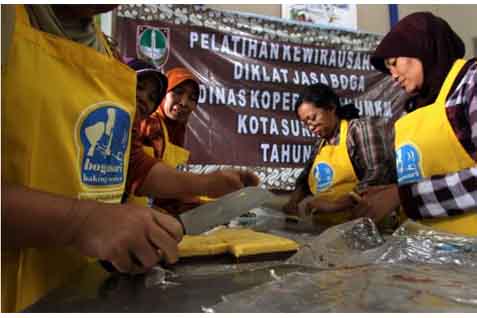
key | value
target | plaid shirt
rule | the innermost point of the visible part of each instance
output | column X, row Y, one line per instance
column 369, row 151
column 453, row 193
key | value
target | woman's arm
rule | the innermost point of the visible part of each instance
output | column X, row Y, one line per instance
column 37, row 219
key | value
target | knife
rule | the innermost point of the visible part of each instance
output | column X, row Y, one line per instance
column 223, row 210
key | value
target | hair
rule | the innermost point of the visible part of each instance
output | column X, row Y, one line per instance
column 322, row 96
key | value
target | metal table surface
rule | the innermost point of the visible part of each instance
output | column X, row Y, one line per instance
column 121, row 293
column 197, row 283
column 348, row 268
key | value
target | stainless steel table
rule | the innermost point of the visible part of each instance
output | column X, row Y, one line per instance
column 200, row 282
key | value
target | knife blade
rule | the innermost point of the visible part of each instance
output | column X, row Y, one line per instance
column 223, row 210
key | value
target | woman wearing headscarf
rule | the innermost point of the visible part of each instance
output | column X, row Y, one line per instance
column 352, row 153
column 165, row 130
column 436, row 143
column 167, row 125
column 161, row 136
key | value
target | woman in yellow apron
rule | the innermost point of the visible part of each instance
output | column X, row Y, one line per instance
column 435, row 143
column 352, row 154
column 154, row 133
column 66, row 124
column 162, row 135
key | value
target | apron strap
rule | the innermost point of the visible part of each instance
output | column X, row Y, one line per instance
column 164, row 131
column 21, row 15
column 343, row 132
column 103, row 40
column 456, row 67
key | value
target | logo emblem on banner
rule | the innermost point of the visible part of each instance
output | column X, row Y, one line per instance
column 103, row 136
column 324, row 176
column 408, row 164
column 152, row 44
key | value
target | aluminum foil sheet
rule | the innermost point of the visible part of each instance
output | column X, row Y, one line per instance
column 415, row 243
column 359, row 243
column 353, row 243
column 416, row 269
column 369, row 288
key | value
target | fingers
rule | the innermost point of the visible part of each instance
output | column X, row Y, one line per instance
column 362, row 209
column 375, row 189
column 163, row 240
column 143, row 254
column 121, row 261
column 309, row 208
column 291, row 207
column 169, row 224
column 166, row 244
column 355, row 197
column 317, row 205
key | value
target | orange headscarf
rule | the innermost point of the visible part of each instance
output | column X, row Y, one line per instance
column 176, row 130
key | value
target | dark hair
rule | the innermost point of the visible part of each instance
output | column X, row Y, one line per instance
column 323, row 96
column 143, row 69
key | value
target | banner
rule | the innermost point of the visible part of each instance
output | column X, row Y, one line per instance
column 252, row 70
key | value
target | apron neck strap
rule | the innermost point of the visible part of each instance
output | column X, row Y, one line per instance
column 164, row 130
column 21, row 15
column 103, row 40
column 456, row 67
column 343, row 131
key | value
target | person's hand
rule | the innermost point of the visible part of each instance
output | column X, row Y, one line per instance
column 230, row 180
column 377, row 202
column 319, row 205
column 131, row 237
column 292, row 206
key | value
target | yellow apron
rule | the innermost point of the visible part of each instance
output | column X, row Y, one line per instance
column 332, row 176
column 172, row 156
column 426, row 145
column 66, row 124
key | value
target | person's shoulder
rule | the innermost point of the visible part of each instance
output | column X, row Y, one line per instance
column 367, row 121
column 374, row 125
column 465, row 83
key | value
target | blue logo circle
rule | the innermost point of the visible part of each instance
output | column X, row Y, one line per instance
column 324, row 176
column 408, row 164
column 104, row 136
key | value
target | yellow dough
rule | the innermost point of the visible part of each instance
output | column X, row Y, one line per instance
column 239, row 242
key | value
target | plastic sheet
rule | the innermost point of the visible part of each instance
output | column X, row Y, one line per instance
column 416, row 269
column 415, row 243
column 370, row 288
column 353, row 243
column 359, row 243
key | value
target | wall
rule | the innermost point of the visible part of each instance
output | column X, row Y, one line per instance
column 375, row 17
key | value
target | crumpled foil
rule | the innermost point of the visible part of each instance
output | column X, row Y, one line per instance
column 369, row 288
column 354, row 243
column 359, row 242
column 363, row 235
column 415, row 243
column 417, row 269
